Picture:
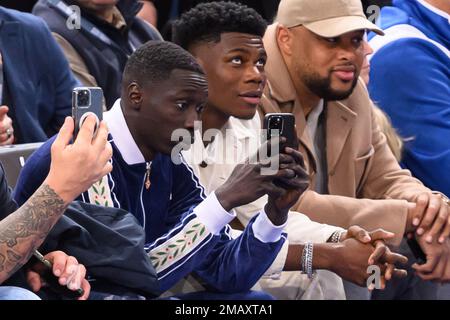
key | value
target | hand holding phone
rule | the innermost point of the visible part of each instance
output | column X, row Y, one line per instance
column 53, row 281
column 282, row 125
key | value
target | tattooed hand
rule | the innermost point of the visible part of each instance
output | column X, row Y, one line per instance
column 75, row 167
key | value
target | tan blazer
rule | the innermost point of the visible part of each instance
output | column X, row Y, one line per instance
column 360, row 163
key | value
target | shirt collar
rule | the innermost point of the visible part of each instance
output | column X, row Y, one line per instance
column 241, row 132
column 122, row 136
column 312, row 120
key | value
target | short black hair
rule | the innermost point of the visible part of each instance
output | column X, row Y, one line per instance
column 207, row 21
column 155, row 60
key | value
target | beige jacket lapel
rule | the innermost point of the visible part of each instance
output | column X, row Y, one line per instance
column 339, row 123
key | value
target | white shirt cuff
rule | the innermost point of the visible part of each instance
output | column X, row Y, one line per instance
column 211, row 213
column 274, row 271
column 265, row 231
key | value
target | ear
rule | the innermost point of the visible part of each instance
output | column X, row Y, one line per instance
column 284, row 40
column 135, row 95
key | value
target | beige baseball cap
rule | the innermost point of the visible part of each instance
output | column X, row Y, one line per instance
column 327, row 18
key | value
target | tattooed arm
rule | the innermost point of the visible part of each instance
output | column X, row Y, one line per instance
column 74, row 168
column 25, row 230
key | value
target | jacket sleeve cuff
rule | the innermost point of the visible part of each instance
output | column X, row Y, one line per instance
column 265, row 231
column 211, row 213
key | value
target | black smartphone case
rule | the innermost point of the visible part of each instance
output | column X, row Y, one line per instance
column 288, row 130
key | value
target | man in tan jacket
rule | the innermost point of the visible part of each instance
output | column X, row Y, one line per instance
column 315, row 54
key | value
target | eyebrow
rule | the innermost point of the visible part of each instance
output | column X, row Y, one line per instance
column 185, row 93
column 239, row 50
column 262, row 51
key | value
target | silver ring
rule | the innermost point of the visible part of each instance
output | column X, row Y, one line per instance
column 8, row 133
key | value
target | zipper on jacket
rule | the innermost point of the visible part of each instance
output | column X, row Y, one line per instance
column 147, row 175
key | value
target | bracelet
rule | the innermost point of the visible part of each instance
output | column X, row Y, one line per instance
column 307, row 258
column 336, row 236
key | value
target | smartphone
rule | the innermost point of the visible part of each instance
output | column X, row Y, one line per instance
column 53, row 281
column 86, row 101
column 416, row 250
column 283, row 125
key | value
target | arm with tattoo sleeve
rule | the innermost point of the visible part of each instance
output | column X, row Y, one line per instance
column 25, row 230
column 74, row 168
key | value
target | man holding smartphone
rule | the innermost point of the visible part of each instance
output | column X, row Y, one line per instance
column 74, row 167
column 315, row 54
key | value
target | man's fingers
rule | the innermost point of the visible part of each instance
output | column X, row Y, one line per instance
column 5, row 140
column 439, row 223
column 380, row 249
column 389, row 271
column 436, row 274
column 297, row 156
column 419, row 211
column 34, row 280
column 58, row 259
column 446, row 232
column 75, row 282
column 6, row 131
column 64, row 136
column 284, row 174
column 86, row 288
column 69, row 271
column 394, row 258
column 380, row 234
column 359, row 234
column 105, row 154
column 399, row 273
column 101, row 138
column 3, row 111
column 427, row 267
column 86, row 132
column 106, row 169
column 273, row 190
column 286, row 159
column 431, row 212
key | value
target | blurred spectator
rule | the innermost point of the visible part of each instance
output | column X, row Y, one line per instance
column 168, row 10
column 109, row 33
column 148, row 12
column 36, row 81
column 410, row 80
column 394, row 141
